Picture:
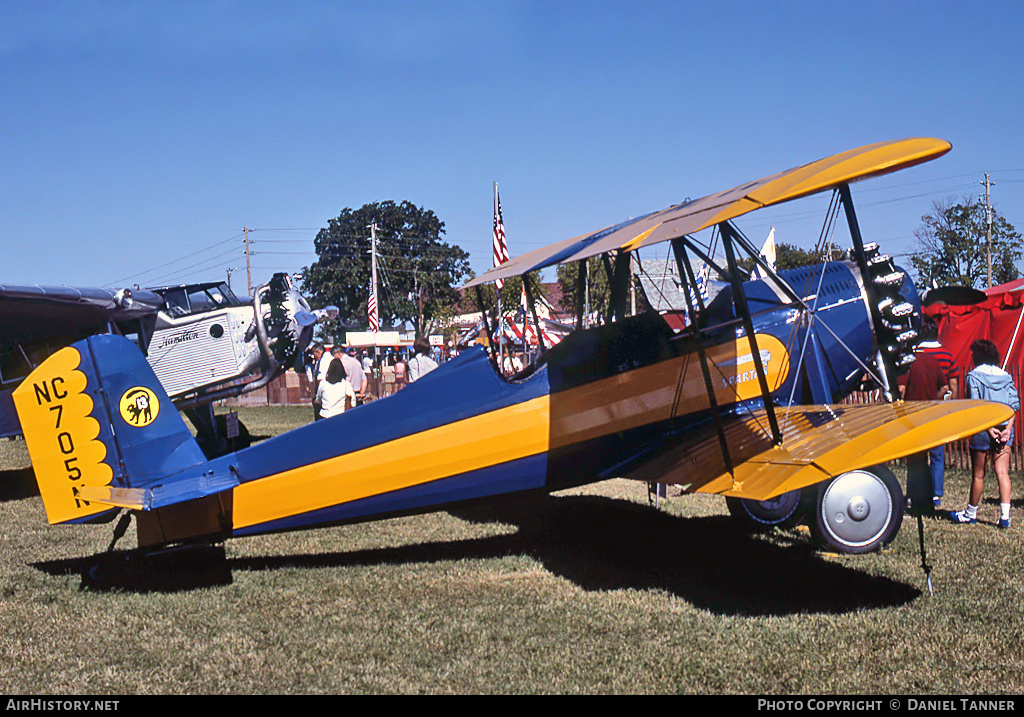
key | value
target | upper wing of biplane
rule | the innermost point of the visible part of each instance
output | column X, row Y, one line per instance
column 38, row 313
column 689, row 217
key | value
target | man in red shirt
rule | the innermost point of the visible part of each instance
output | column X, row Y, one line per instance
column 933, row 376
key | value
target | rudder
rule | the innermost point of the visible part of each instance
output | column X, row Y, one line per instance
column 97, row 423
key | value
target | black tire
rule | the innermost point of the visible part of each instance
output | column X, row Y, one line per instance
column 858, row 511
column 782, row 511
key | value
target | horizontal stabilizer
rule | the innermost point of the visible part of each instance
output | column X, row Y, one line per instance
column 177, row 490
column 819, row 442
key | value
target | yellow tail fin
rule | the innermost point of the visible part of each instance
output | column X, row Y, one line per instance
column 63, row 436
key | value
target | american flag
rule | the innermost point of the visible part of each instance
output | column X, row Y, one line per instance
column 702, row 282
column 702, row 290
column 500, row 249
column 528, row 333
column 371, row 312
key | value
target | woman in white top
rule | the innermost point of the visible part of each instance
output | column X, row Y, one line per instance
column 334, row 391
column 421, row 363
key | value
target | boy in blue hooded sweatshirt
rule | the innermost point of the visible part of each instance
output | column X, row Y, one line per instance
column 989, row 382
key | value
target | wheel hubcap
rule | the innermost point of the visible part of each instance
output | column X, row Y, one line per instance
column 857, row 508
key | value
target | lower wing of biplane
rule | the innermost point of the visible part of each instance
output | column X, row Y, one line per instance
column 743, row 403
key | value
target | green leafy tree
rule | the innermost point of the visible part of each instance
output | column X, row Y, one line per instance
column 951, row 247
column 417, row 271
column 790, row 256
column 511, row 295
column 598, row 290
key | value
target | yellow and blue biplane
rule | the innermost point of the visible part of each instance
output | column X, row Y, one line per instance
column 745, row 402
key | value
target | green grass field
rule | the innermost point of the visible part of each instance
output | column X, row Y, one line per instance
column 588, row 591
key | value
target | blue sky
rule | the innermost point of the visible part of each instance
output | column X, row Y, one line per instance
column 137, row 139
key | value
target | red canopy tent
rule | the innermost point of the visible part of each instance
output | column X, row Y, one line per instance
column 1000, row 319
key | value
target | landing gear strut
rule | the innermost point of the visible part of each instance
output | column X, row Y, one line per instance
column 212, row 432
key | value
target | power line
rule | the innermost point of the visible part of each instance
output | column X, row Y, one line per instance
column 209, row 247
column 202, row 266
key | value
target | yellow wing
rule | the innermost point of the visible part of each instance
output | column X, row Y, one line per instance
column 690, row 217
column 819, row 442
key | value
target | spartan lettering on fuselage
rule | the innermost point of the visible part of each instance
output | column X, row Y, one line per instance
column 65, row 441
column 744, row 376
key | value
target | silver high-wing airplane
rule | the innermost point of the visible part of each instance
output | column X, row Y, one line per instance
column 203, row 342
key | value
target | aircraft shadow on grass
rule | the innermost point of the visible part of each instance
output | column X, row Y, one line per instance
column 18, row 483
column 596, row 543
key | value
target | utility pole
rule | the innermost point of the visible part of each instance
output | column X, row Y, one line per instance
column 248, row 270
column 586, row 293
column 373, row 267
column 230, row 271
column 419, row 301
column 988, row 225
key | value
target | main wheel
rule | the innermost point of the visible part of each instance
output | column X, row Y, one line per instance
column 782, row 511
column 859, row 511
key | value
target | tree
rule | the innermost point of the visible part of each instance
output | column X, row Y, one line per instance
column 952, row 246
column 511, row 295
column 417, row 272
column 598, row 290
column 790, row 256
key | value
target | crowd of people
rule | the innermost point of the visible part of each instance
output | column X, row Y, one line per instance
column 343, row 378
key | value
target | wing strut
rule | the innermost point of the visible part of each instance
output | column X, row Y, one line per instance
column 788, row 290
column 885, row 365
column 729, row 235
column 692, row 246
column 619, row 277
column 531, row 300
column 690, row 285
column 487, row 324
column 582, row 277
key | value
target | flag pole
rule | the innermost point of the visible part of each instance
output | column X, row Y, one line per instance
column 373, row 317
column 500, row 257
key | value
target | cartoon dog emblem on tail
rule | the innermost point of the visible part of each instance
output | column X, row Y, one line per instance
column 139, row 406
